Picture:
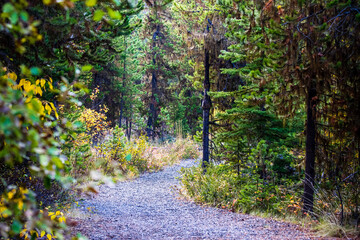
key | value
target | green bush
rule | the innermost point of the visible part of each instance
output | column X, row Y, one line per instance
column 222, row 186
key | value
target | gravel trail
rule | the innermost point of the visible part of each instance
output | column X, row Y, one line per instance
column 147, row 208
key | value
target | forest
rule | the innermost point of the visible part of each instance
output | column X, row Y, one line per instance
column 266, row 94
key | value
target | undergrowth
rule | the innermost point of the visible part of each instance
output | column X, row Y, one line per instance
column 223, row 187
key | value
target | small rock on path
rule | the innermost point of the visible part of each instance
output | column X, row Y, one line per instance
column 147, row 208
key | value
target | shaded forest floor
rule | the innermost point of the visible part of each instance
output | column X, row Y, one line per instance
column 150, row 208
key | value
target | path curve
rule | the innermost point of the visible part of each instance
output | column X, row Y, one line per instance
column 147, row 208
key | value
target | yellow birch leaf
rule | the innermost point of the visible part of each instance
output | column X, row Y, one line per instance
column 11, row 193
column 48, row 109
column 27, row 86
column 43, row 81
column 57, row 213
column 51, row 213
column 53, row 106
column 42, row 233
column 50, row 86
column 20, row 204
column 22, row 82
column 28, row 99
column 49, row 237
column 53, row 217
column 50, row 79
column 39, row 91
column 12, row 76
column 62, row 219
column 37, row 82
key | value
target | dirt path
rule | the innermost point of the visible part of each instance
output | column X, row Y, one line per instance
column 147, row 208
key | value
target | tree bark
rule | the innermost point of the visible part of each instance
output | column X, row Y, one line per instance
column 151, row 125
column 123, row 85
column 308, row 197
column 206, row 106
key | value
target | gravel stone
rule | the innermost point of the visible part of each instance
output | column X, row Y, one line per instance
column 149, row 208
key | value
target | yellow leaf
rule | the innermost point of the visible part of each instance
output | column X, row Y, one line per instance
column 53, row 106
column 37, row 82
column 22, row 82
column 12, row 76
column 39, row 91
column 28, row 99
column 42, row 233
column 90, row 3
column 50, row 79
column 53, row 217
column 11, row 193
column 32, row 232
column 57, row 213
column 48, row 236
column 28, row 87
column 43, row 81
column 20, row 204
column 48, row 109
column 51, row 213
column 50, row 86
column 62, row 219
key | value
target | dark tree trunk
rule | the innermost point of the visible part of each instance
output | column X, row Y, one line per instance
column 127, row 127
column 151, row 125
column 308, row 196
column 123, row 85
column 206, row 105
column 129, row 132
column 121, row 109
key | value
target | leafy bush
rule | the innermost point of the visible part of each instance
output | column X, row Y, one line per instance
column 29, row 153
column 221, row 186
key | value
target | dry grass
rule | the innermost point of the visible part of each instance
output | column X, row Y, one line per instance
column 170, row 153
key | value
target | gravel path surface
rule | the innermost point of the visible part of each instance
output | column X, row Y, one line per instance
column 147, row 208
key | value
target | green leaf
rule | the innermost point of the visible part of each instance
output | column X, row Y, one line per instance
column 35, row 71
column 8, row 8
column 44, row 160
column 5, row 122
column 114, row 14
column 24, row 16
column 98, row 15
column 14, row 17
column 86, row 68
column 16, row 227
column 58, row 162
column 90, row 3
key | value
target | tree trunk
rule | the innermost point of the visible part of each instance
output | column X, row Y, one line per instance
column 129, row 133
column 151, row 125
column 206, row 105
column 308, row 196
column 123, row 85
